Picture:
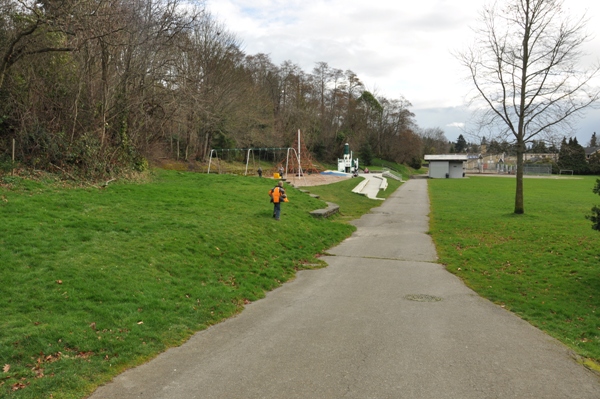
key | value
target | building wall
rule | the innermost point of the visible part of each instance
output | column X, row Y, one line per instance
column 456, row 169
column 438, row 169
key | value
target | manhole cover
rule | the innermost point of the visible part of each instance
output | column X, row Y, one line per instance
column 422, row 298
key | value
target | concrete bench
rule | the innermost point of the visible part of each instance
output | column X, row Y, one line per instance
column 325, row 213
column 383, row 184
column 322, row 213
column 359, row 188
column 312, row 195
column 391, row 176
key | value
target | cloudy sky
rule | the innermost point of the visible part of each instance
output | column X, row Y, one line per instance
column 398, row 48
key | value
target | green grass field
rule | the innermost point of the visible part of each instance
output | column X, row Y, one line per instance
column 96, row 281
column 543, row 265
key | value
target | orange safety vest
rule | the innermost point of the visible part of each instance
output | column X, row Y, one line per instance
column 275, row 193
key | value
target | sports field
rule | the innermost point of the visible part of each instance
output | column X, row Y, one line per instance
column 543, row 265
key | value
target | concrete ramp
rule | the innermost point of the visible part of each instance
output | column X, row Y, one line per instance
column 371, row 185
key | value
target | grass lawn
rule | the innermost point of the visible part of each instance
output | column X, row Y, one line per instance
column 351, row 206
column 543, row 265
column 95, row 281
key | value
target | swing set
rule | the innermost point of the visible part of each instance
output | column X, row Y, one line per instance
column 295, row 162
column 286, row 160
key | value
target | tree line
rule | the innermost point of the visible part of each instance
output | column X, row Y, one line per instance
column 95, row 87
column 570, row 155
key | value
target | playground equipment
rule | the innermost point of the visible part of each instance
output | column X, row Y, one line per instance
column 217, row 157
column 285, row 161
column 346, row 164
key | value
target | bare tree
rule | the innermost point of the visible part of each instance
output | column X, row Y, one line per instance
column 92, row 87
column 523, row 65
column 26, row 27
column 434, row 141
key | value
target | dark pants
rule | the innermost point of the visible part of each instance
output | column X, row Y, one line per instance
column 276, row 210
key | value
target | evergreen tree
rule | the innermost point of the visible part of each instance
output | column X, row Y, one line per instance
column 593, row 141
column 595, row 215
column 494, row 147
column 365, row 154
column 572, row 157
column 461, row 144
column 538, row 147
column 594, row 163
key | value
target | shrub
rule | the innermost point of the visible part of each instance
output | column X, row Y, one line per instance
column 595, row 216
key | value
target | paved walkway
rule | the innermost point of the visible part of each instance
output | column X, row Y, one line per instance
column 368, row 326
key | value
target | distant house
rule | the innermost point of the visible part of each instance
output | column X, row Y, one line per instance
column 449, row 166
column 589, row 151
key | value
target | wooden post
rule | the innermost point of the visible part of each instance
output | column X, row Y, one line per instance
column 13, row 158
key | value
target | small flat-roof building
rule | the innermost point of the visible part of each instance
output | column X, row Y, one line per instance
column 446, row 166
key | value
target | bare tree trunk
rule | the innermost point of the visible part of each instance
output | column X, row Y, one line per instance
column 104, row 92
column 75, row 111
column 206, row 144
column 519, row 205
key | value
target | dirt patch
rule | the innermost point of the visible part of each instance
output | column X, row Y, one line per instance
column 315, row 180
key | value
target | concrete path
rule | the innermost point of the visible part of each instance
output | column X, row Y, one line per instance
column 383, row 320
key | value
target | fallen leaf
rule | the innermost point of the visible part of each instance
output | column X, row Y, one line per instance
column 6, row 368
column 58, row 281
column 39, row 373
column 18, row 386
column 84, row 355
column 93, row 325
column 140, row 322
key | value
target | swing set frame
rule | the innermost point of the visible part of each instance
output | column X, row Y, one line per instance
column 290, row 151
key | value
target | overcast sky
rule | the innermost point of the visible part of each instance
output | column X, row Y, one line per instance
column 398, row 48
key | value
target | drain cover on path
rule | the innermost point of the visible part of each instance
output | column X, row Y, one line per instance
column 422, row 298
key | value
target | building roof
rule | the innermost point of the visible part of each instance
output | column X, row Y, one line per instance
column 447, row 157
column 591, row 150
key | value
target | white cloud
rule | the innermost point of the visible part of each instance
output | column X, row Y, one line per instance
column 398, row 48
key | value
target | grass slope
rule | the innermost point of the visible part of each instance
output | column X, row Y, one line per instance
column 543, row 265
column 351, row 206
column 96, row 281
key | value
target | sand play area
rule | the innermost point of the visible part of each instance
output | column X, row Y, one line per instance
column 314, row 180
